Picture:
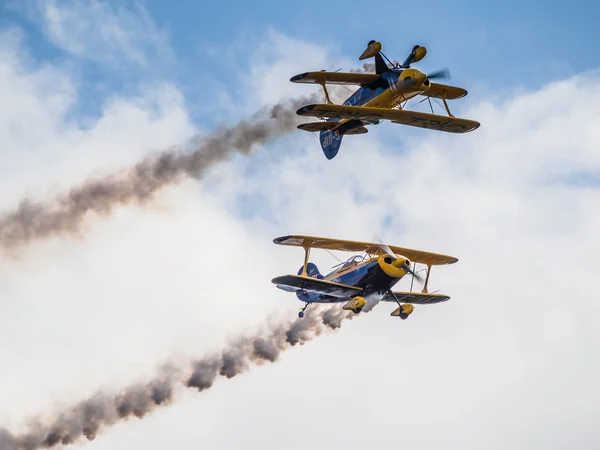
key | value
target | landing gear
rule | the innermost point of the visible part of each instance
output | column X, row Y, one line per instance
column 301, row 313
column 356, row 310
column 403, row 311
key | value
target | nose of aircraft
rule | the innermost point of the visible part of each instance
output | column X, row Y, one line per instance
column 413, row 77
column 400, row 262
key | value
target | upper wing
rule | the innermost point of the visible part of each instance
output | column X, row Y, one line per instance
column 416, row 298
column 335, row 78
column 433, row 259
column 316, row 285
column 404, row 117
column 444, row 91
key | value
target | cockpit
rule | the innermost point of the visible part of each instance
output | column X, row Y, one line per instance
column 352, row 261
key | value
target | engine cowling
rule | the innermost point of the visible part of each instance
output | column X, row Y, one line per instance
column 391, row 267
column 355, row 304
column 412, row 79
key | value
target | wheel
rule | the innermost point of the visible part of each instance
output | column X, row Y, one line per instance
column 356, row 310
column 301, row 314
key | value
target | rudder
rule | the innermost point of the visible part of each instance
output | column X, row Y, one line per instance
column 312, row 271
column 330, row 142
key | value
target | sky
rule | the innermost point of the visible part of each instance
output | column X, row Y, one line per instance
column 509, row 362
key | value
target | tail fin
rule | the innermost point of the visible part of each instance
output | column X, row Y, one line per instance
column 312, row 270
column 330, row 142
column 380, row 65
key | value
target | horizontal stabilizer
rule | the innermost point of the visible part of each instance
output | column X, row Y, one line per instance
column 315, row 285
column 411, row 118
column 359, row 130
column 318, row 126
column 415, row 298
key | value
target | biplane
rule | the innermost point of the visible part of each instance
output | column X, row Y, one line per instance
column 363, row 280
column 382, row 95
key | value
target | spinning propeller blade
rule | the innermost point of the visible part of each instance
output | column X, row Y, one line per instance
column 442, row 73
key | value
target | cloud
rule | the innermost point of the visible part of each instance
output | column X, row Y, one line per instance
column 40, row 129
column 101, row 31
column 501, row 199
column 496, row 363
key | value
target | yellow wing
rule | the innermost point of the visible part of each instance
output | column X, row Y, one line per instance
column 418, row 256
column 335, row 78
column 404, row 117
column 415, row 298
column 444, row 91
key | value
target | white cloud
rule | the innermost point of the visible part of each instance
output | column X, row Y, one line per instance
column 507, row 362
column 39, row 129
column 101, row 31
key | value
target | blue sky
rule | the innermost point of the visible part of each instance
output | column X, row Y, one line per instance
column 490, row 46
column 491, row 49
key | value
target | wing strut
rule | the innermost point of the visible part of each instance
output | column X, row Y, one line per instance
column 424, row 291
column 326, row 93
column 446, row 104
column 306, row 253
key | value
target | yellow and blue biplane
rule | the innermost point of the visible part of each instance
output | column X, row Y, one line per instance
column 363, row 280
column 382, row 96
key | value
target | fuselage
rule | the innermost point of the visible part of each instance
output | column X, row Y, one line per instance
column 370, row 275
column 389, row 90
column 385, row 92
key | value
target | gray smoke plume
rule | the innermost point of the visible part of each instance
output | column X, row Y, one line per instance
column 93, row 415
column 32, row 221
column 369, row 67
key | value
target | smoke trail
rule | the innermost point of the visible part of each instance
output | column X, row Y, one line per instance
column 65, row 214
column 367, row 67
column 93, row 415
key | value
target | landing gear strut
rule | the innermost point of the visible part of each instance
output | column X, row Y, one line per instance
column 402, row 312
column 301, row 313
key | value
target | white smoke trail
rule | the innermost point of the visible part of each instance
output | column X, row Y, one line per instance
column 89, row 417
column 32, row 221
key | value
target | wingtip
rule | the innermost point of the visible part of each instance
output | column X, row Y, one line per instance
column 280, row 239
column 298, row 77
column 305, row 109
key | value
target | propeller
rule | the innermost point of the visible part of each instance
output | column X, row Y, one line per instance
column 441, row 73
column 387, row 250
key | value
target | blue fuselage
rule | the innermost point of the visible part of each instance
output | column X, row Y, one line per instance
column 369, row 276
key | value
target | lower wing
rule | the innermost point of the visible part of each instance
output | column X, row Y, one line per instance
column 415, row 298
column 412, row 118
column 316, row 285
